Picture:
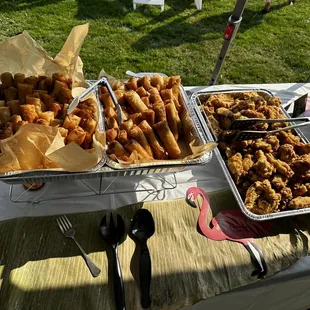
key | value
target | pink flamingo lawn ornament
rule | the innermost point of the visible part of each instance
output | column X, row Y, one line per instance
column 231, row 225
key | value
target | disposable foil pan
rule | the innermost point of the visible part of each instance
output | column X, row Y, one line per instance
column 47, row 173
column 199, row 133
column 195, row 98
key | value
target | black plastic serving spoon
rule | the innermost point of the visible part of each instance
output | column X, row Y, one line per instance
column 142, row 228
column 113, row 231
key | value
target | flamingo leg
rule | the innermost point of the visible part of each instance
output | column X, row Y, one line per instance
column 257, row 259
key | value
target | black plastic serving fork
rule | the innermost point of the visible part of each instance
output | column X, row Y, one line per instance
column 240, row 124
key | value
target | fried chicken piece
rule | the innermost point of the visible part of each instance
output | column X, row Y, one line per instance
column 279, row 181
column 225, row 122
column 209, row 110
column 274, row 101
column 280, row 166
column 286, row 196
column 302, row 148
column 262, row 145
column 286, row 153
column 259, row 102
column 252, row 114
column 215, row 125
column 299, row 203
column 220, row 100
column 273, row 141
column 242, row 145
column 247, row 163
column 270, row 112
column 225, row 112
column 274, row 126
column 262, row 167
column 299, row 189
column 261, row 198
column 286, row 137
column 245, row 95
column 301, row 165
column 235, row 166
column 242, row 105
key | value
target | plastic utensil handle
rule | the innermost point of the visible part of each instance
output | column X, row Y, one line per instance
column 94, row 270
column 145, row 274
column 118, row 284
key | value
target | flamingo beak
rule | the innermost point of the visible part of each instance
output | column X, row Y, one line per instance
column 191, row 199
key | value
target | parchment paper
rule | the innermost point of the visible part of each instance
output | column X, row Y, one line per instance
column 42, row 147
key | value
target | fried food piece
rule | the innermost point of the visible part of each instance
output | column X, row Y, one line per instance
column 235, row 166
column 142, row 92
column 111, row 134
column 280, row 166
column 160, row 112
column 15, row 119
column 262, row 145
column 5, row 114
column 7, row 80
column 111, row 122
column 173, row 119
column 220, row 100
column 287, row 153
column 110, row 112
column 215, row 125
column 301, row 165
column 137, row 134
column 247, row 163
column 56, row 122
column 262, row 166
column 122, row 136
column 107, row 101
column 299, row 189
column 19, row 78
column 132, row 84
column 273, row 141
column 6, row 130
column 71, row 121
column 286, row 137
column 65, row 95
column 146, row 101
column 117, row 149
column 127, row 125
column 39, row 106
column 23, row 91
column 261, row 198
column 58, row 85
column 158, row 81
column 242, row 105
column 144, row 82
column 32, row 80
column 167, row 139
column 10, row 93
column 56, row 108
column 89, row 125
column 158, row 150
column 29, row 113
column 270, row 112
column 18, row 125
column 299, row 203
column 173, row 81
column 135, row 101
column 136, row 118
column 133, row 145
column 77, row 135
column 286, row 196
column 274, row 101
column 252, row 114
column 302, row 148
column 154, row 99
column 279, row 181
column 48, row 116
column 176, row 95
column 48, row 100
column 119, row 94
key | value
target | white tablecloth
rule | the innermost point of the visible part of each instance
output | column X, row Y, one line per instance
column 288, row 289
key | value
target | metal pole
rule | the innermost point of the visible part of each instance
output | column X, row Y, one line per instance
column 230, row 32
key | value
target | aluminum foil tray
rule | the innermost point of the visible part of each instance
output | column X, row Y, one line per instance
column 212, row 137
column 199, row 133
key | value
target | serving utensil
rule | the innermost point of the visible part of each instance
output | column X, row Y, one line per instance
column 142, row 228
column 67, row 229
column 102, row 82
column 112, row 229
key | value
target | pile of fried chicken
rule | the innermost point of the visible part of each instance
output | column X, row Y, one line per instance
column 272, row 174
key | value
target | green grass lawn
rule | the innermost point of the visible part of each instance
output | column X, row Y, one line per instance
column 269, row 48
